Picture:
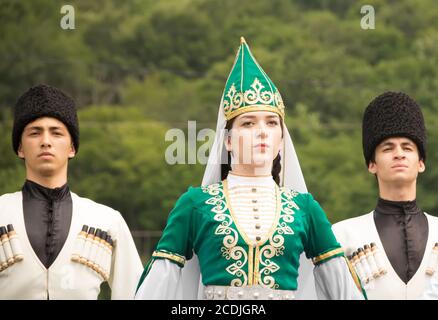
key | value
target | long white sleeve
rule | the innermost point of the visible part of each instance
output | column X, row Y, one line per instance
column 163, row 282
column 126, row 266
column 334, row 281
column 431, row 291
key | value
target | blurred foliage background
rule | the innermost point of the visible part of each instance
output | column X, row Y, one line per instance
column 139, row 68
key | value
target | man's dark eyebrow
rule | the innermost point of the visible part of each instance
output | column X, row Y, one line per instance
column 34, row 128
column 390, row 144
column 39, row 128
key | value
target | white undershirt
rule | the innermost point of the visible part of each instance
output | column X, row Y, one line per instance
column 253, row 203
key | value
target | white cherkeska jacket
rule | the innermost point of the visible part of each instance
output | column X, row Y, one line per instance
column 356, row 232
column 66, row 279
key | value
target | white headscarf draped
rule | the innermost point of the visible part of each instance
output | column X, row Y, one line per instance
column 291, row 175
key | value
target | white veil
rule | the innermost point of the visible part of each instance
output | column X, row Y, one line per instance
column 291, row 175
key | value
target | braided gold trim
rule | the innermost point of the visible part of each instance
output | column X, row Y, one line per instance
column 176, row 258
column 259, row 107
column 354, row 275
column 327, row 255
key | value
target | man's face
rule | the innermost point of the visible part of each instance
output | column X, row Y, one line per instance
column 396, row 161
column 46, row 146
column 255, row 138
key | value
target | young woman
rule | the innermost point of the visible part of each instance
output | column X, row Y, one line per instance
column 248, row 224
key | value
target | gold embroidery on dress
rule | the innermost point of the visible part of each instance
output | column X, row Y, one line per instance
column 275, row 247
column 230, row 249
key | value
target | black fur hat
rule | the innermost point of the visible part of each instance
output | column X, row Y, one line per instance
column 392, row 114
column 44, row 101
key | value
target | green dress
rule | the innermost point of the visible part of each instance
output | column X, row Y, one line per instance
column 202, row 223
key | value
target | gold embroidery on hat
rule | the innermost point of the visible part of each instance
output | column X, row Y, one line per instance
column 252, row 97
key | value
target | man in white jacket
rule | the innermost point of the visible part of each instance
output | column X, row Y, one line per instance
column 391, row 246
column 55, row 244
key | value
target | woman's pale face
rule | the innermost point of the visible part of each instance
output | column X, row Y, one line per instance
column 255, row 139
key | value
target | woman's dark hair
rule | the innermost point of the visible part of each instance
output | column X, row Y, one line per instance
column 276, row 164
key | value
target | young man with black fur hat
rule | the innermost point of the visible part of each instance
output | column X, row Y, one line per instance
column 55, row 244
column 390, row 246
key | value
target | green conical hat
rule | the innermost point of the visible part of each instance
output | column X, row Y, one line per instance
column 249, row 88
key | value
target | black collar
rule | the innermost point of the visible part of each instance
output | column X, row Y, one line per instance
column 397, row 207
column 40, row 192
